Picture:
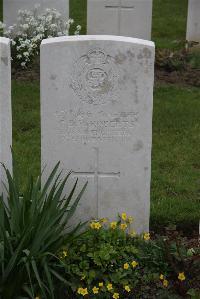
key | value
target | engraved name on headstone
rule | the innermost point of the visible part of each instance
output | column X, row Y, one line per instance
column 120, row 17
column 5, row 108
column 96, row 118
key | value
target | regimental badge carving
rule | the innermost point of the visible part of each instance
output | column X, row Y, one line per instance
column 95, row 78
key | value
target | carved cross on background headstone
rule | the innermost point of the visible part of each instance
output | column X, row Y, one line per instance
column 120, row 5
column 96, row 174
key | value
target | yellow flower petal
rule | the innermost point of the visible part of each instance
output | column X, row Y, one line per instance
column 161, row 276
column 127, row 288
column 109, row 286
column 181, row 276
column 165, row 283
column 113, row 225
column 146, row 236
column 124, row 216
column 123, row 226
column 134, row 264
column 95, row 290
column 116, row 296
column 126, row 266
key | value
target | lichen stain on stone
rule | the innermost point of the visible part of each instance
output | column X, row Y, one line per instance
column 147, row 53
column 5, row 60
column 53, row 77
column 120, row 58
column 105, row 88
column 124, row 78
column 130, row 54
column 137, row 146
column 140, row 56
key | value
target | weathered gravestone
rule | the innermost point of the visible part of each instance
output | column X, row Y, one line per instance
column 96, row 118
column 11, row 8
column 193, row 21
column 5, row 107
column 120, row 17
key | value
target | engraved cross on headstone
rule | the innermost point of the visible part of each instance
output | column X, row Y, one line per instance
column 96, row 174
column 120, row 5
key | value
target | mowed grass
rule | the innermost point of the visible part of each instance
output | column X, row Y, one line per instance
column 168, row 21
column 175, row 191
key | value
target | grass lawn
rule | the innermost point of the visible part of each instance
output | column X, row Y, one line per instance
column 169, row 20
column 175, row 161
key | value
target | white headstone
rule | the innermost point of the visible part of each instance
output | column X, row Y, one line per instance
column 11, row 8
column 96, row 118
column 5, row 107
column 193, row 21
column 120, row 17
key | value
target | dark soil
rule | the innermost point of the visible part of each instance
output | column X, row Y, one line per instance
column 188, row 77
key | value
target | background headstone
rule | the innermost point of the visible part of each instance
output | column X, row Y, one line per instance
column 5, row 107
column 11, row 7
column 120, row 17
column 193, row 21
column 96, row 118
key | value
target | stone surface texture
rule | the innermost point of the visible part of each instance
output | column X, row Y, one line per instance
column 193, row 21
column 120, row 17
column 96, row 118
column 5, row 107
column 11, row 7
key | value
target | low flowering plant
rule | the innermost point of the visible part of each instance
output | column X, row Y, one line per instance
column 29, row 31
column 111, row 261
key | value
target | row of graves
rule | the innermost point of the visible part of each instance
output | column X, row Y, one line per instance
column 131, row 18
column 96, row 105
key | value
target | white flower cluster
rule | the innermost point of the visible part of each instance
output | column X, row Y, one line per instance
column 31, row 28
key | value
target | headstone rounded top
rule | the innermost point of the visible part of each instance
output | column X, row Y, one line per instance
column 4, row 40
column 99, row 38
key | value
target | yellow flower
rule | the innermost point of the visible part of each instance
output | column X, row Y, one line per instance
column 115, row 296
column 109, row 286
column 37, row 297
column 113, row 225
column 146, row 236
column 126, row 266
column 79, row 291
column 161, row 276
column 82, row 291
column 165, row 283
column 124, row 216
column 95, row 290
column 132, row 233
column 95, row 225
column 92, row 225
column 100, row 284
column 127, row 288
column 130, row 219
column 181, row 276
column 123, row 226
column 134, row 264
column 64, row 253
